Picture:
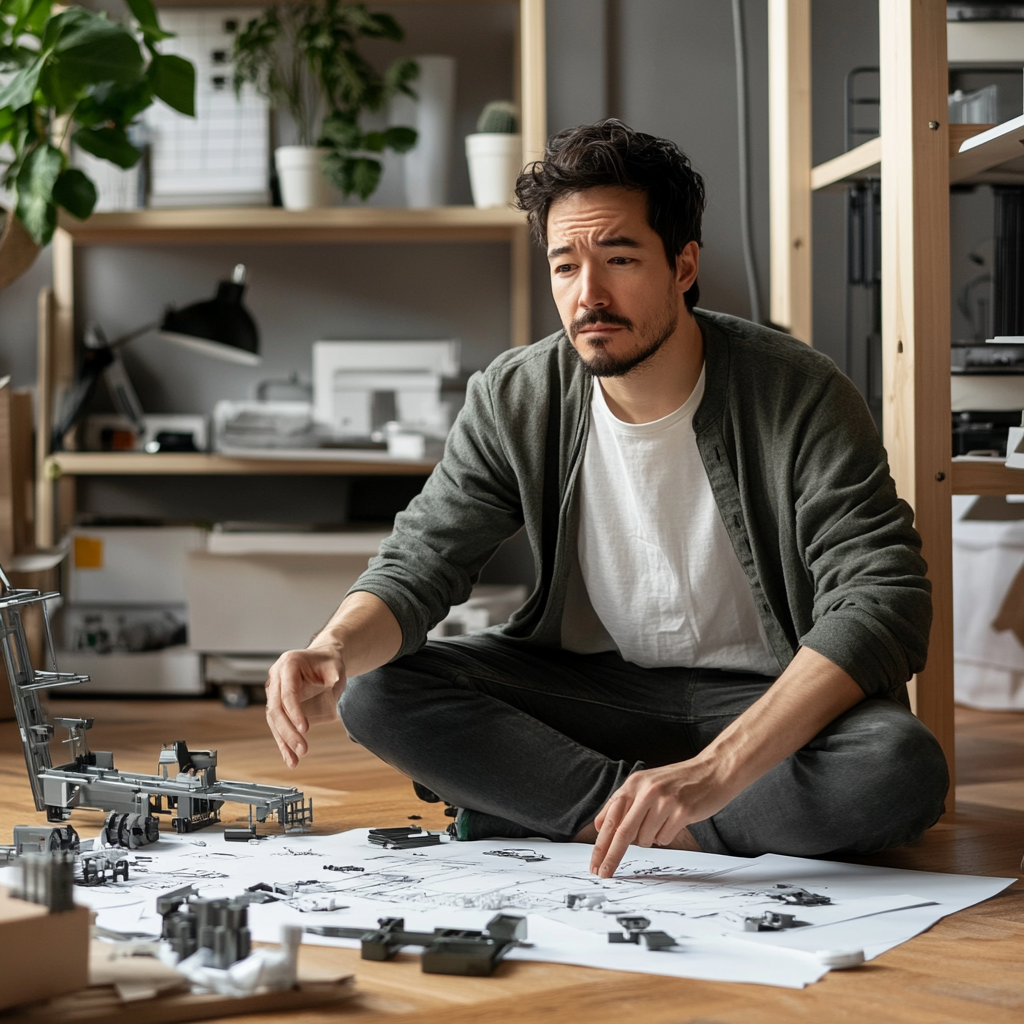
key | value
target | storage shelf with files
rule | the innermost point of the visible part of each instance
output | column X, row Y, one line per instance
column 198, row 464
column 272, row 224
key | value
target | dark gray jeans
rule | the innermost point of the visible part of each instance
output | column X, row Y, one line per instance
column 543, row 738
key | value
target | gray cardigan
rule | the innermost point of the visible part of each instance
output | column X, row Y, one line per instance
column 795, row 463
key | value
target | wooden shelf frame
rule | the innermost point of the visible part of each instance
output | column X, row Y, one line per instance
column 56, row 472
column 62, row 464
column 913, row 154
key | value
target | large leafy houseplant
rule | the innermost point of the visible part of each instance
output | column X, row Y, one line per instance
column 71, row 74
column 305, row 57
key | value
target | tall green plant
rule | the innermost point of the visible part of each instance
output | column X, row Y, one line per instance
column 75, row 73
column 305, row 57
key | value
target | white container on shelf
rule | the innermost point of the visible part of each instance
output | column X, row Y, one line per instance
column 495, row 159
column 300, row 172
column 427, row 165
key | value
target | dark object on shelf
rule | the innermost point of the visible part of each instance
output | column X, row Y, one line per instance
column 983, row 432
column 989, row 360
column 1008, row 262
column 172, row 441
column 445, row 950
column 220, row 327
column 403, row 838
column 634, row 929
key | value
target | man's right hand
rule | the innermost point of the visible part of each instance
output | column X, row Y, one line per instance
column 303, row 689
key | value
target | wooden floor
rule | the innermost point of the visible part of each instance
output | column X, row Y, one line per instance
column 970, row 967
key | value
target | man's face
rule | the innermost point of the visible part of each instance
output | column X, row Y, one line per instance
column 617, row 296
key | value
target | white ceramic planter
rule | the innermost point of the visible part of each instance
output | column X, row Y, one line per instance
column 303, row 185
column 495, row 160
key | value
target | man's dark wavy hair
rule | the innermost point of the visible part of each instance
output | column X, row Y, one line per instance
column 611, row 153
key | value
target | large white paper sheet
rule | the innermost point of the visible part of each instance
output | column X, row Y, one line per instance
column 699, row 899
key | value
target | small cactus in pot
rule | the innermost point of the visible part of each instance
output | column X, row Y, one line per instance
column 494, row 154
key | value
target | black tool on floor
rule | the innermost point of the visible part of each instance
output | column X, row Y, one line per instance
column 445, row 950
column 406, row 838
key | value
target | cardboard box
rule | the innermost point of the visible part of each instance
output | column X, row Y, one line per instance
column 44, row 954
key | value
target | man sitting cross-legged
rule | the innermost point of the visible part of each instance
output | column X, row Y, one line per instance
column 730, row 597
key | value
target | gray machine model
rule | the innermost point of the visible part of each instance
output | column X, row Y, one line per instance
column 192, row 793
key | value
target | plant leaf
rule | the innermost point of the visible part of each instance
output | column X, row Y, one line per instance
column 92, row 50
column 341, row 130
column 173, row 80
column 75, row 192
column 145, row 15
column 33, row 18
column 400, row 139
column 18, row 91
column 119, row 104
column 108, row 144
column 399, row 75
column 35, row 181
column 373, row 142
column 365, row 176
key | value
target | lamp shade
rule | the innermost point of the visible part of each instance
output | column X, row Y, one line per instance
column 221, row 327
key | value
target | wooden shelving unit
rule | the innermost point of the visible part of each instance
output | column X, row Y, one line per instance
column 55, row 472
column 917, row 155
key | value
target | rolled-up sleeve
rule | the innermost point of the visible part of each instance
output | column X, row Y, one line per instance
column 872, row 601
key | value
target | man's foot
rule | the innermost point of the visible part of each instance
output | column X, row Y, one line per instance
column 471, row 825
column 683, row 841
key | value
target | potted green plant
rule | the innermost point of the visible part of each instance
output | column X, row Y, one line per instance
column 494, row 154
column 305, row 57
column 71, row 75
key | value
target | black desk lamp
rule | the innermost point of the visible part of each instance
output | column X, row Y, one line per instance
column 220, row 327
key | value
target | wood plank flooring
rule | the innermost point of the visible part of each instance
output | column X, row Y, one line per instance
column 968, row 968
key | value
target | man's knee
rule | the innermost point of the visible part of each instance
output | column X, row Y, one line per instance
column 905, row 777
column 367, row 704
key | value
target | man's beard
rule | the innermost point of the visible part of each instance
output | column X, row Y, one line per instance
column 600, row 363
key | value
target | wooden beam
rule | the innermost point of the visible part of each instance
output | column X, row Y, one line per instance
column 988, row 149
column 916, row 314
column 533, row 90
column 789, row 163
column 519, row 297
column 44, row 417
column 979, row 475
column 863, row 162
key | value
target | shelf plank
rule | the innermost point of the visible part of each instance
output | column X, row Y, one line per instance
column 272, row 224
column 978, row 475
column 199, row 464
column 988, row 150
column 864, row 161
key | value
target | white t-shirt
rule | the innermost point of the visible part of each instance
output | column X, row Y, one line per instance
column 655, row 560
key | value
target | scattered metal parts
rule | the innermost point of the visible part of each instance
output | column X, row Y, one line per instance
column 797, row 897
column 47, row 878
column 240, row 835
column 518, row 854
column 98, row 867
column 415, row 817
column 769, row 921
column 185, row 787
column 445, row 950
column 131, row 830
column 342, row 867
column 635, row 928
column 585, row 900
column 189, row 924
column 405, row 838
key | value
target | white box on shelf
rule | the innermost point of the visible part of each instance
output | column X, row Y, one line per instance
column 267, row 593
column 174, row 670
column 119, row 565
column 221, row 157
column 354, row 380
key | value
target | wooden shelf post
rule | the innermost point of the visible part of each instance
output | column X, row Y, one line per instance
column 916, row 313
column 789, row 164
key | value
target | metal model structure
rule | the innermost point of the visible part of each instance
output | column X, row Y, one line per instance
column 192, row 794
column 445, row 950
